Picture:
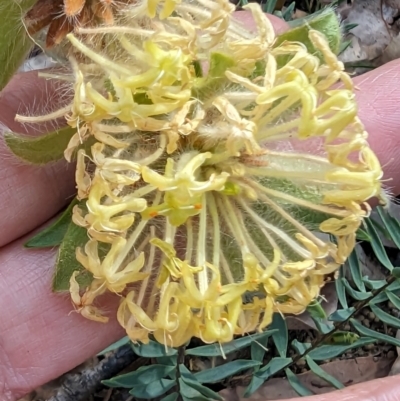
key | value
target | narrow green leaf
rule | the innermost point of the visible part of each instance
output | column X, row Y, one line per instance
column 55, row 233
column 66, row 262
column 257, row 352
column 269, row 6
column 152, row 390
column 324, row 21
column 296, row 384
column 394, row 299
column 189, row 393
column 235, row 345
column 40, row 150
column 219, row 373
column 316, row 310
column 371, row 333
column 168, row 360
column 349, row 27
column 274, row 365
column 341, row 290
column 123, row 341
column 377, row 245
column 255, row 384
column 288, row 13
column 153, row 350
column 14, row 41
column 258, row 349
column 391, row 224
column 382, row 297
column 358, row 295
column 385, row 317
column 355, row 270
column 374, row 284
column 396, row 272
column 324, row 352
column 189, row 378
column 171, row 397
column 341, row 314
column 142, row 376
column 300, row 348
column 395, row 286
column 281, row 337
column 361, row 234
column 323, row 326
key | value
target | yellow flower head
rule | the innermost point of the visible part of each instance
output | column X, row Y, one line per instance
column 217, row 159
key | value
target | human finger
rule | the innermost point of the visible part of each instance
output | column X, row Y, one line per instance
column 378, row 98
column 40, row 335
column 246, row 18
column 29, row 195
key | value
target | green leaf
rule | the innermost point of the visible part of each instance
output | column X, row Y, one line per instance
column 374, row 284
column 358, row 295
column 349, row 27
column 371, row 333
column 300, row 348
column 361, row 234
column 323, row 326
column 382, row 297
column 191, row 381
column 257, row 351
column 153, row 350
column 281, row 337
column 288, row 13
column 377, row 245
column 255, row 384
column 297, row 385
column 225, row 349
column 221, row 372
column 274, row 365
column 341, row 290
column 189, row 393
column 66, row 262
column 269, row 6
column 391, row 224
column 123, row 341
column 355, row 270
column 40, row 150
column 341, row 314
column 168, row 360
column 385, row 317
column 142, row 376
column 324, row 21
column 14, row 40
column 55, row 233
column 394, row 299
column 152, row 390
column 316, row 311
column 171, row 397
column 396, row 273
column 324, row 352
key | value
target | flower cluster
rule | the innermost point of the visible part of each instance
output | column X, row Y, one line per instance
column 204, row 197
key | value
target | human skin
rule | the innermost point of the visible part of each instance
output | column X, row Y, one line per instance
column 39, row 336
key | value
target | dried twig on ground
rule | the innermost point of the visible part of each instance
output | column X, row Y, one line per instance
column 77, row 387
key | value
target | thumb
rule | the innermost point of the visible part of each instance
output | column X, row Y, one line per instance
column 246, row 18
